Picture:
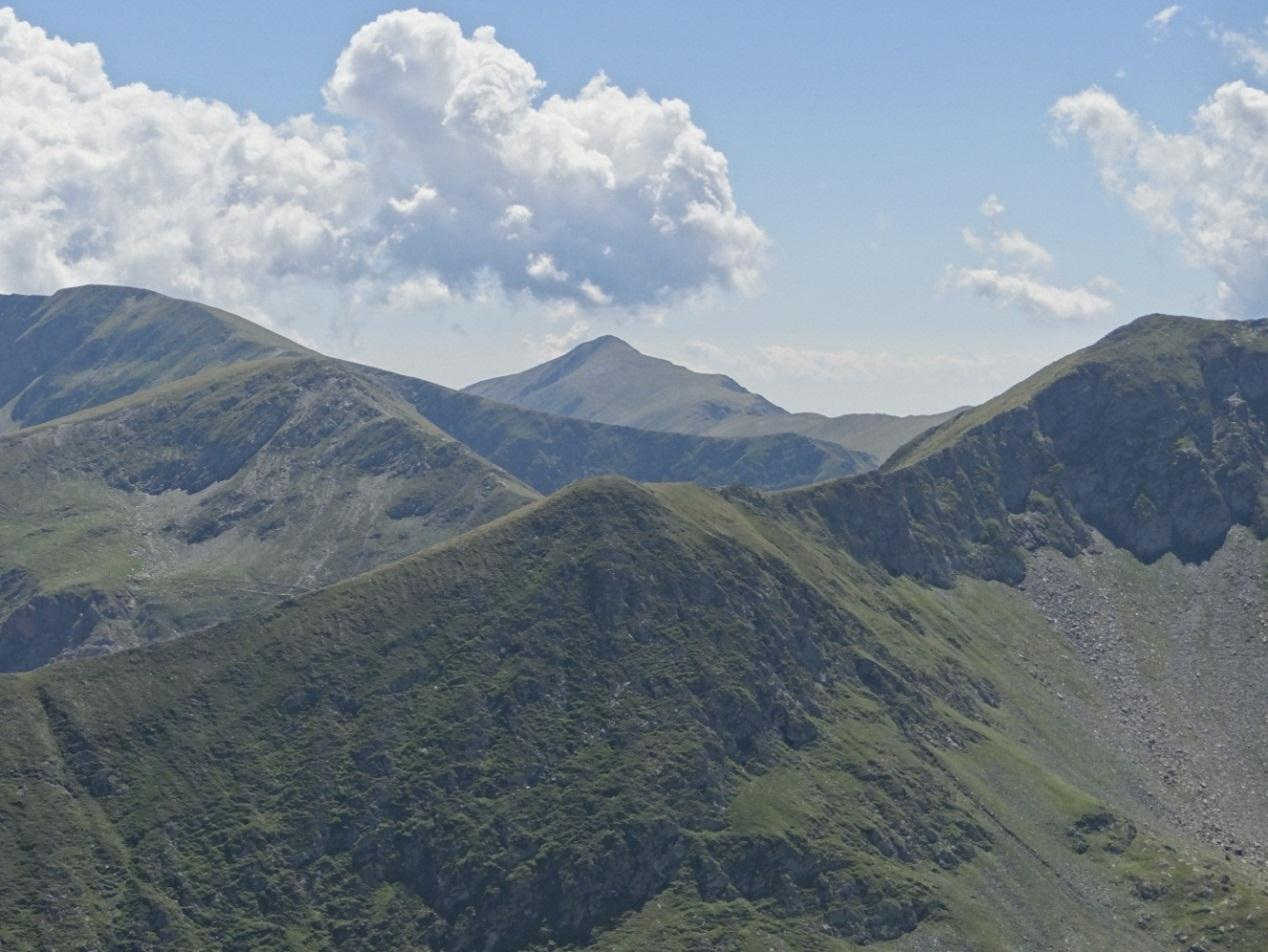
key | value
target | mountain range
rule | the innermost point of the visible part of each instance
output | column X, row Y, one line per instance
column 608, row 381
column 169, row 466
column 1002, row 692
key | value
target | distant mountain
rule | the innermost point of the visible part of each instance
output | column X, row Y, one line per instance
column 608, row 381
column 1004, row 693
column 549, row 451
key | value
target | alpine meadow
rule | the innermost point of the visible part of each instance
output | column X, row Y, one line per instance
column 522, row 477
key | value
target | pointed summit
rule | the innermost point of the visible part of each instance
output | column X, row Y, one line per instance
column 608, row 381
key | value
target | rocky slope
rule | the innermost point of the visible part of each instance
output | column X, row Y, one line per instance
column 1155, row 437
column 608, row 381
column 939, row 707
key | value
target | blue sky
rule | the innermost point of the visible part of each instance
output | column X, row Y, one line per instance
column 861, row 139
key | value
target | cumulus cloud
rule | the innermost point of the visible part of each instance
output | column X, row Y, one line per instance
column 1006, row 273
column 1015, row 244
column 446, row 169
column 1160, row 22
column 1207, row 187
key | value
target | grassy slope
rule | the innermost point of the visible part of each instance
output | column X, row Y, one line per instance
column 625, row 717
column 204, row 499
column 173, row 493
column 85, row 346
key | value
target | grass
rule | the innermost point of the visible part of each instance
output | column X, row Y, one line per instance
column 404, row 758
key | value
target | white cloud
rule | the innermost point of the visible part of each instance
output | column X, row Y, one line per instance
column 594, row 294
column 551, row 345
column 991, row 206
column 1030, row 294
column 1015, row 244
column 1208, row 186
column 418, row 293
column 448, row 172
column 1245, row 49
column 542, row 267
column 1160, row 22
column 1004, row 274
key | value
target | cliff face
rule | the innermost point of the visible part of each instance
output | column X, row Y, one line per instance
column 1155, row 437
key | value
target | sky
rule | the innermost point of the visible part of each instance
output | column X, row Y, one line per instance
column 898, row 206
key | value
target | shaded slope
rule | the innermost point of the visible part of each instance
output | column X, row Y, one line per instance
column 204, row 499
column 1155, row 437
column 549, row 451
column 85, row 346
column 608, row 381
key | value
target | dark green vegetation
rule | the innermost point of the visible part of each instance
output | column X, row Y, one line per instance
column 956, row 704
column 168, row 466
column 608, row 381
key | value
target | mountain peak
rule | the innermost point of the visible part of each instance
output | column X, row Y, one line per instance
column 608, row 381
column 606, row 342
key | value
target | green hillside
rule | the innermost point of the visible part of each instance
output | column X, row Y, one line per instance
column 193, row 467
column 85, row 346
column 957, row 704
column 208, row 498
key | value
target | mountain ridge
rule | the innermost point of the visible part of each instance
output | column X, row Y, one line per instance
column 958, row 703
column 607, row 380
column 83, row 346
column 175, row 482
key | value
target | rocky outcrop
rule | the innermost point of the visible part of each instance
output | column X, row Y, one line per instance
column 1156, row 438
column 66, row 623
